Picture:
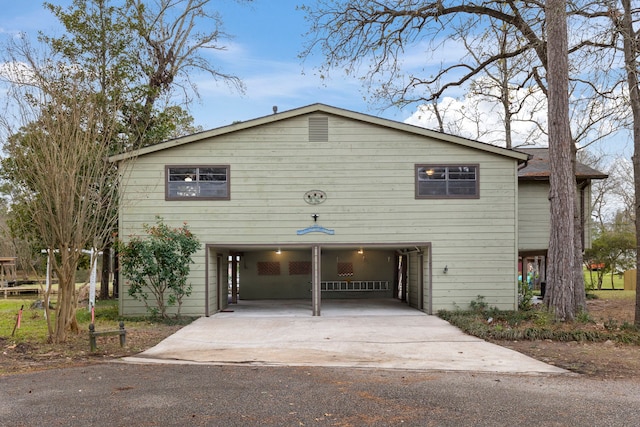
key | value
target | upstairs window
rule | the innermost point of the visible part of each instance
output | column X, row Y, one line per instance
column 447, row 181
column 197, row 182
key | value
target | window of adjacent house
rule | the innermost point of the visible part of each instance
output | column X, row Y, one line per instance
column 197, row 182
column 447, row 181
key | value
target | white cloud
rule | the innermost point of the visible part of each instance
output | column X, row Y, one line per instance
column 428, row 54
column 16, row 72
column 475, row 117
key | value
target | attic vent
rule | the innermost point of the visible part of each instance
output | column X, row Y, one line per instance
column 318, row 129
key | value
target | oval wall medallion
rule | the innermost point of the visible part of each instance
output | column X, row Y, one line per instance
column 315, row 197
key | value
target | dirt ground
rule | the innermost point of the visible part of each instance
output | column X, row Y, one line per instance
column 607, row 361
column 26, row 357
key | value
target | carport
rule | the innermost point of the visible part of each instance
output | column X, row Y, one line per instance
column 361, row 273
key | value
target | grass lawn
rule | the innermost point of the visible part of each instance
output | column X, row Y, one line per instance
column 33, row 324
column 618, row 281
column 28, row 349
column 617, row 295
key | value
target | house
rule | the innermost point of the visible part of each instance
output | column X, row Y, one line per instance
column 320, row 202
column 534, row 210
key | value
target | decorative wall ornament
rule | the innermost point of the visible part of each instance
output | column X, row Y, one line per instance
column 300, row 267
column 268, row 268
column 315, row 197
column 315, row 229
column 345, row 269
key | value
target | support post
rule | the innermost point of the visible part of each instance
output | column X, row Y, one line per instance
column 234, row 278
column 315, row 280
column 92, row 337
column 123, row 335
column 93, row 334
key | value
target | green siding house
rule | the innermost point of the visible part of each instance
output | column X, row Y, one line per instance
column 534, row 211
column 320, row 202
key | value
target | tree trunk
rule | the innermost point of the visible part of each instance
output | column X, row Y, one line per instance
column 613, row 285
column 106, row 270
column 560, row 295
column 67, row 297
column 631, row 50
column 116, row 275
column 579, row 293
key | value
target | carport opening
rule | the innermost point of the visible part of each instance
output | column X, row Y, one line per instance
column 361, row 275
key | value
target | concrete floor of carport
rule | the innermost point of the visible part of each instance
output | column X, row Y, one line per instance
column 355, row 333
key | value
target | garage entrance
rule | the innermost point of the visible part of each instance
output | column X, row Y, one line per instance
column 312, row 274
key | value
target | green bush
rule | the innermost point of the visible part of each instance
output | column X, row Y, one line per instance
column 479, row 304
column 509, row 325
column 525, row 296
column 156, row 267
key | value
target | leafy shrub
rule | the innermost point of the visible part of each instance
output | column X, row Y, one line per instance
column 479, row 304
column 611, row 325
column 530, row 325
column 159, row 265
column 525, row 296
column 629, row 327
column 542, row 318
column 583, row 317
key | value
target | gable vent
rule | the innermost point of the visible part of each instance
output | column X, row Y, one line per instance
column 318, row 129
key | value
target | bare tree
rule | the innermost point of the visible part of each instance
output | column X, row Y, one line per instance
column 57, row 145
column 350, row 32
column 170, row 46
column 623, row 188
column 139, row 54
column 613, row 198
column 500, row 81
column 631, row 48
column 479, row 115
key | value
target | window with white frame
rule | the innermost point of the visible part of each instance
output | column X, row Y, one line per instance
column 197, row 182
column 447, row 181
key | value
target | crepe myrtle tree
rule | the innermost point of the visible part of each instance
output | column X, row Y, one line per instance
column 156, row 267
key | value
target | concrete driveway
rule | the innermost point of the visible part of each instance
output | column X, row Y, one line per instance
column 385, row 334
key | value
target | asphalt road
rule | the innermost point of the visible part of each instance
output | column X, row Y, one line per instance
column 120, row 394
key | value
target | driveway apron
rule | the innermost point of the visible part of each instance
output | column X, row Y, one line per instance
column 383, row 334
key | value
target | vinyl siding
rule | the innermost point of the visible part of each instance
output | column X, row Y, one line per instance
column 367, row 172
column 533, row 215
column 588, row 220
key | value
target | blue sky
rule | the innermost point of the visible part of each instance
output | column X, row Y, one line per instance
column 268, row 36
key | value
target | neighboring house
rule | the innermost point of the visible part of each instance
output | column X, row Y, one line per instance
column 320, row 202
column 534, row 210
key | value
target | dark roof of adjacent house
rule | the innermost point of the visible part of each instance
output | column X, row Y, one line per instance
column 538, row 167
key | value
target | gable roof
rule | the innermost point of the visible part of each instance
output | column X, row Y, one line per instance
column 325, row 109
column 538, row 167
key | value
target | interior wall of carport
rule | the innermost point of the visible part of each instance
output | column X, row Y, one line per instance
column 372, row 264
column 217, row 279
column 273, row 283
column 419, row 279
